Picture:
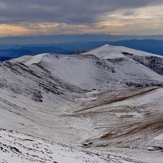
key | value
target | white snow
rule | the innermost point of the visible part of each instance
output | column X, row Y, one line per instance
column 107, row 52
column 16, row 147
column 74, row 70
column 159, row 137
column 28, row 60
column 112, row 52
column 134, row 114
column 137, row 52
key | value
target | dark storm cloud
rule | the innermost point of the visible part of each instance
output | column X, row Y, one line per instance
column 67, row 11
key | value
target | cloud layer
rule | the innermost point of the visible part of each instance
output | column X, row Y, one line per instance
column 67, row 11
column 57, row 14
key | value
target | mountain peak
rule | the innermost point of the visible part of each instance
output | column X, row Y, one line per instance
column 110, row 52
column 106, row 51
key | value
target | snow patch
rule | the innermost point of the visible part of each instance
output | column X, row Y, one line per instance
column 29, row 60
column 159, row 137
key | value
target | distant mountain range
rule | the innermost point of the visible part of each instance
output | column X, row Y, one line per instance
column 14, row 51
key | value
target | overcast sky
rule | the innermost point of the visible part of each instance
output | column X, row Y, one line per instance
column 40, row 17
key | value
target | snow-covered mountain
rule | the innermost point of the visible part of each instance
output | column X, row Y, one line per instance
column 107, row 67
column 100, row 106
column 152, row 61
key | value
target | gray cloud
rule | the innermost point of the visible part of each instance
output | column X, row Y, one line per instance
column 67, row 11
column 128, row 13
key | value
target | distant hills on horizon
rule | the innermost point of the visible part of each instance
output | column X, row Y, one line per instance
column 8, row 51
column 64, row 38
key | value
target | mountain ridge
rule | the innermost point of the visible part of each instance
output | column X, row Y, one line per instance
column 107, row 67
